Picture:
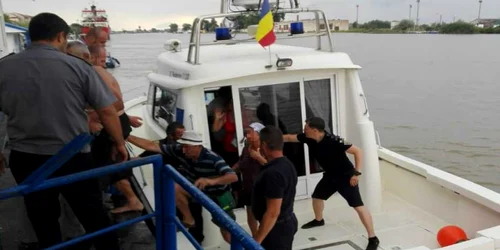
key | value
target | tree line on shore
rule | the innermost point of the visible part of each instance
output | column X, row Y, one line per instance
column 374, row 26
column 405, row 26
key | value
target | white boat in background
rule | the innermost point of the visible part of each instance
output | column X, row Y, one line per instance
column 410, row 201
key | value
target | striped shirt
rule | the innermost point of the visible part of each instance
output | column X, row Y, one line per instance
column 208, row 165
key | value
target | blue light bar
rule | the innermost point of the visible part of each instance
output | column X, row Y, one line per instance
column 296, row 28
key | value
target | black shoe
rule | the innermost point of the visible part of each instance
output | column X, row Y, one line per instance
column 373, row 243
column 314, row 223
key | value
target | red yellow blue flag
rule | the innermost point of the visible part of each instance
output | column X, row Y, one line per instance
column 265, row 29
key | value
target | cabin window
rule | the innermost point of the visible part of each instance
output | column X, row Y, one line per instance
column 278, row 105
column 318, row 103
column 164, row 106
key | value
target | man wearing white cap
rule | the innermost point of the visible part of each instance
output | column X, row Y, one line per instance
column 202, row 167
column 249, row 165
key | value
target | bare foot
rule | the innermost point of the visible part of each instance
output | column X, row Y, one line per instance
column 136, row 207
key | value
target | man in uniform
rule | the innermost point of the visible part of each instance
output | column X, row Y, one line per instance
column 44, row 93
column 274, row 194
column 340, row 175
column 202, row 167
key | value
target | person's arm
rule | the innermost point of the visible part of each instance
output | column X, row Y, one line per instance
column 274, row 193
column 273, row 210
column 290, row 138
column 227, row 176
column 112, row 85
column 144, row 144
column 2, row 164
column 358, row 157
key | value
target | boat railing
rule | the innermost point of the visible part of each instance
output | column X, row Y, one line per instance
column 164, row 191
column 195, row 41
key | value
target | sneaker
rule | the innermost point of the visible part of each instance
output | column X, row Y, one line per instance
column 314, row 223
column 373, row 243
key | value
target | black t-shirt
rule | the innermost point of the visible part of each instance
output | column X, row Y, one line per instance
column 330, row 154
column 277, row 180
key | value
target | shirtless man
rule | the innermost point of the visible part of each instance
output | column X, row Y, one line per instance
column 101, row 145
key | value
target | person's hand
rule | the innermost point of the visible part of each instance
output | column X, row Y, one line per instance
column 354, row 180
column 95, row 127
column 119, row 153
column 201, row 183
column 255, row 154
column 135, row 121
column 219, row 114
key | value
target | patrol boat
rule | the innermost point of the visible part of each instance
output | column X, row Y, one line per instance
column 410, row 202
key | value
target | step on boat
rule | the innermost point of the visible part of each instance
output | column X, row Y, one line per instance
column 410, row 201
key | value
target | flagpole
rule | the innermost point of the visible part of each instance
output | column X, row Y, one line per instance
column 270, row 62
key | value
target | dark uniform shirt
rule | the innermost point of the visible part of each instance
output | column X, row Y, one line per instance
column 277, row 180
column 330, row 154
column 208, row 165
column 44, row 93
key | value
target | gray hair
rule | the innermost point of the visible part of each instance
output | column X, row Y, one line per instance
column 77, row 48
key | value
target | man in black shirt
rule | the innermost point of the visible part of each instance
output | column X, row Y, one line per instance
column 340, row 175
column 274, row 194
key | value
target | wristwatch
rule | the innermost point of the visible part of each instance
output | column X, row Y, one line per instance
column 356, row 173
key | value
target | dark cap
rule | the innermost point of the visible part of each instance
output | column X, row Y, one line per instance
column 317, row 123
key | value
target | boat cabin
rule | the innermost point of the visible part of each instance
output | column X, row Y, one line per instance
column 316, row 84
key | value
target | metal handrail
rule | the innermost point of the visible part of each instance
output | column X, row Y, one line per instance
column 194, row 42
column 164, row 191
column 219, row 215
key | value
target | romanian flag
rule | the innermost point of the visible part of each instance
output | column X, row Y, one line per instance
column 265, row 30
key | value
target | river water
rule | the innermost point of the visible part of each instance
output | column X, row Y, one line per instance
column 432, row 97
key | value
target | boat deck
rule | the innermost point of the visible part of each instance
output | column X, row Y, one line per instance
column 399, row 226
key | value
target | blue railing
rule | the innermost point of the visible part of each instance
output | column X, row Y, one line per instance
column 164, row 190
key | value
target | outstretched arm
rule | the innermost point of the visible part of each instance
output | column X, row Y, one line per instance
column 144, row 144
column 290, row 138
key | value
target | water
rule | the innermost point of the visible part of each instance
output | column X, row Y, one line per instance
column 432, row 97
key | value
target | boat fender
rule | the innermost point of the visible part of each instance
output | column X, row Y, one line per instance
column 450, row 235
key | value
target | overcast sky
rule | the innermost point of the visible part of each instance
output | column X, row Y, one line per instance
column 129, row 14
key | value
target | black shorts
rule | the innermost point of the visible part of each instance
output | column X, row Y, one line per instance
column 327, row 186
column 282, row 234
column 101, row 151
column 245, row 198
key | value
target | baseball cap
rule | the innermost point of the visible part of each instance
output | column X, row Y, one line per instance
column 257, row 127
column 191, row 137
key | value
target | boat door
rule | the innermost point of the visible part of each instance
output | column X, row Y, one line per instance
column 286, row 105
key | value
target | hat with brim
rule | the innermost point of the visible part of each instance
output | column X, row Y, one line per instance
column 191, row 138
column 257, row 127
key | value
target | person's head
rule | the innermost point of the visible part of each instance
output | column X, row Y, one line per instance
column 252, row 132
column 78, row 49
column 271, row 142
column 314, row 128
column 50, row 29
column 96, row 36
column 192, row 144
column 264, row 113
column 98, row 55
column 175, row 130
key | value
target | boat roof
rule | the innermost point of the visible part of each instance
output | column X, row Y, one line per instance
column 223, row 62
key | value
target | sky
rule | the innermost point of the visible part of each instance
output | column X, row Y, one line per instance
column 129, row 14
